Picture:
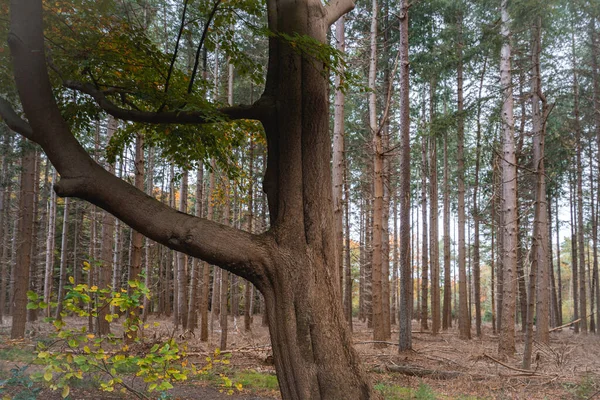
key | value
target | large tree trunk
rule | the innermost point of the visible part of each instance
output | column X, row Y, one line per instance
column 406, row 291
column 579, row 167
column 23, row 238
column 596, row 79
column 506, row 344
column 424, row 237
column 447, row 306
column 338, row 155
column 541, row 237
column 464, row 323
column 62, row 277
column 376, row 132
column 434, row 248
column 476, row 216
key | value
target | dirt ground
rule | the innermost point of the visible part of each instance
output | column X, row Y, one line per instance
column 568, row 368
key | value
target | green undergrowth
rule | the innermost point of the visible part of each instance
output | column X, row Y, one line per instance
column 252, row 379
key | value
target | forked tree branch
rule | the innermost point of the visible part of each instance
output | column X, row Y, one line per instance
column 254, row 111
column 237, row 251
column 336, row 8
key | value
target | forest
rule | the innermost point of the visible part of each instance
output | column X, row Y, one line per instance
column 299, row 199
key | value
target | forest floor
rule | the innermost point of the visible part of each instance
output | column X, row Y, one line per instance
column 438, row 367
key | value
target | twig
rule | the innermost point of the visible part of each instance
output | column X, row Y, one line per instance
column 565, row 325
column 524, row 371
column 377, row 342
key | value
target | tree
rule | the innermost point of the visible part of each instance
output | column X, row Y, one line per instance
column 464, row 322
column 506, row 344
column 25, row 232
column 291, row 263
column 405, row 310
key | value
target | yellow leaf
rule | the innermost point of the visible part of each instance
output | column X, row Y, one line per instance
column 47, row 376
column 72, row 281
column 86, row 266
column 65, row 392
column 91, row 336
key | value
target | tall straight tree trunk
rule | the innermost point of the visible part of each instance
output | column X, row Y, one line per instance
column 558, row 265
column 224, row 281
column 596, row 81
column 24, row 242
column 541, row 237
column 249, row 290
column 405, row 310
column 376, row 132
column 579, row 143
column 182, row 285
column 476, row 216
column 106, row 249
column 447, row 311
column 348, row 256
column 574, row 253
column 425, row 239
column 338, row 155
column 4, row 230
column 137, row 239
column 464, row 323
column 555, row 315
column 206, row 267
column 506, row 344
column 148, row 270
column 50, row 243
column 195, row 294
column 433, row 216
column 63, row 259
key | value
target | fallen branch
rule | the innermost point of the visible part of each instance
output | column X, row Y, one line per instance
column 377, row 342
column 565, row 325
column 422, row 372
column 525, row 372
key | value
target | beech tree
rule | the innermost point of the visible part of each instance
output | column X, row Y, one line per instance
column 293, row 263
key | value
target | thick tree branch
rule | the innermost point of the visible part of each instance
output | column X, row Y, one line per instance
column 254, row 111
column 13, row 121
column 239, row 252
column 336, row 8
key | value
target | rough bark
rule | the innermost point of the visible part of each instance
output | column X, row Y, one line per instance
column 24, row 235
column 506, row 344
column 376, row 132
column 405, row 311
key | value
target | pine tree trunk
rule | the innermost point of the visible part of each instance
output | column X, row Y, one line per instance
column 506, row 345
column 596, row 83
column 464, row 323
column 447, row 307
column 541, row 207
column 62, row 277
column 424, row 235
column 433, row 215
column 182, row 284
column 24, row 240
column 338, row 164
column 476, row 216
column 406, row 291
column 376, row 134
column 49, row 267
column 580, row 211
